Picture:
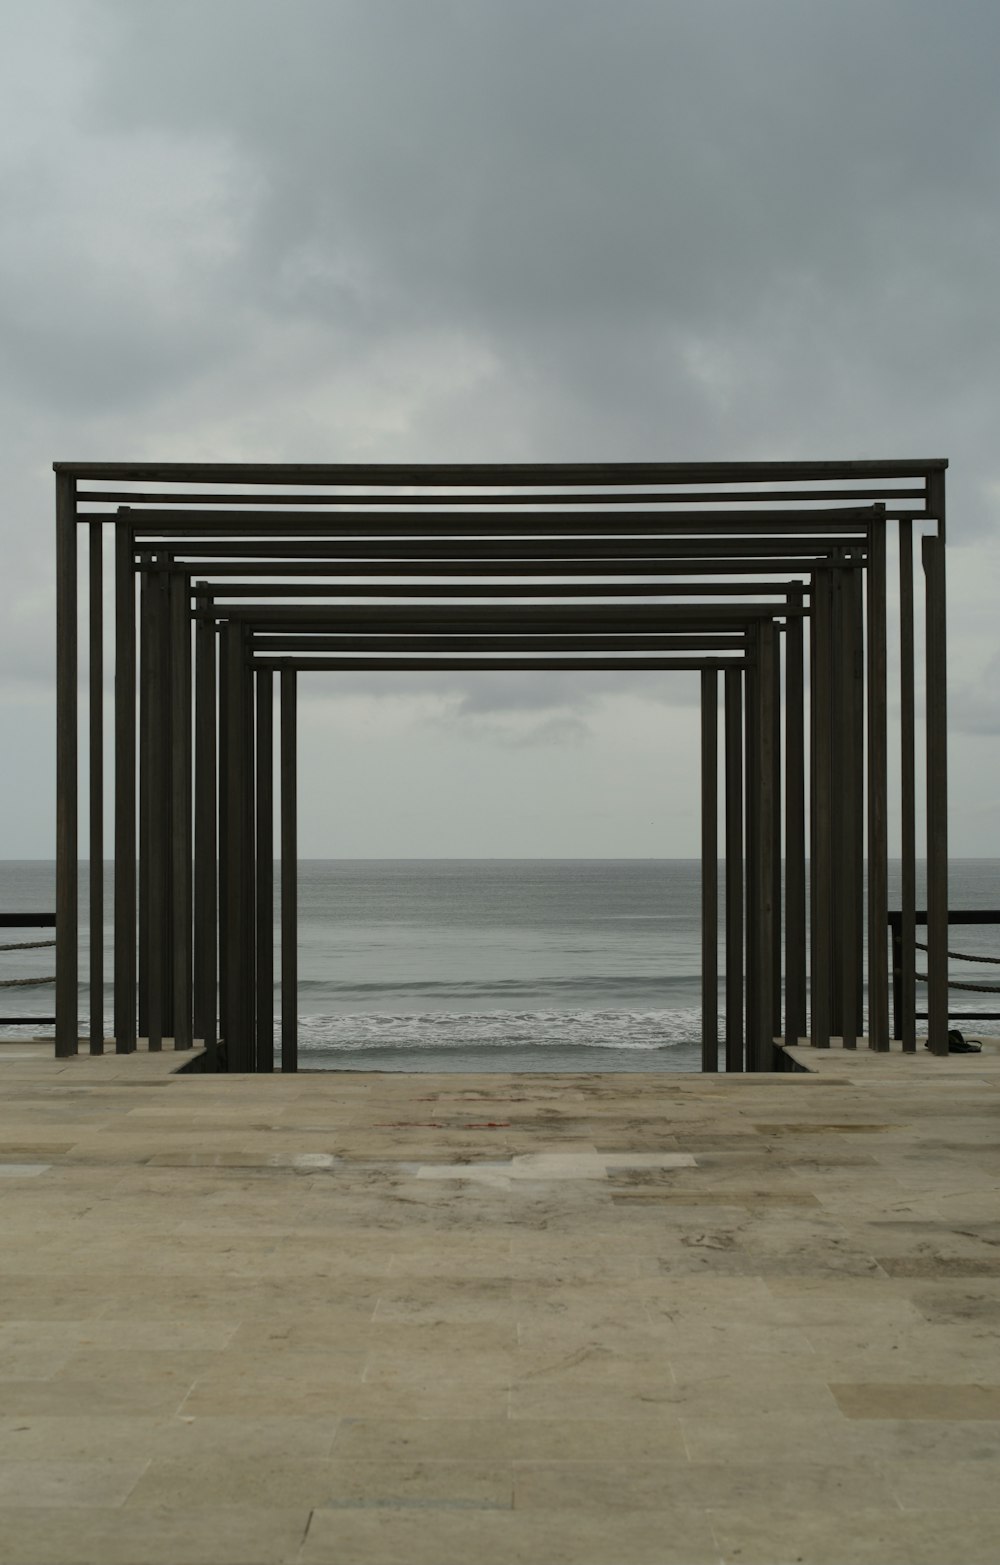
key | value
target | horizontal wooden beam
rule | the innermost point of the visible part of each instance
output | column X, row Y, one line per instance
column 730, row 641
column 893, row 492
column 425, row 665
column 494, row 473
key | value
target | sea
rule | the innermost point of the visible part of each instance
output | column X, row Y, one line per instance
column 487, row 964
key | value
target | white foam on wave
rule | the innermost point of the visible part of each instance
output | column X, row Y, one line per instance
column 545, row 1029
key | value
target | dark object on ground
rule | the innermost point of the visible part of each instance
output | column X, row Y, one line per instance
column 959, row 1045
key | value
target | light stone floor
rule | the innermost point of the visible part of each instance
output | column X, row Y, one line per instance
column 480, row 1320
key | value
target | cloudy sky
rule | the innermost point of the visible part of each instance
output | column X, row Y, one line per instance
column 498, row 229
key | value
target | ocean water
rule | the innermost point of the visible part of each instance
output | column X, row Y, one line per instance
column 489, row 964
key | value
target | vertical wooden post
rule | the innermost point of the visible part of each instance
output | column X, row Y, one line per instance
column 248, row 854
column 859, row 784
column 96, row 714
column 821, row 866
column 847, row 763
column 67, row 798
column 836, row 890
column 709, row 870
column 265, row 869
column 145, row 769
column 180, row 782
column 795, row 824
column 937, row 774
column 751, row 772
column 206, row 844
column 767, row 933
column 289, row 876
column 223, row 840
column 239, row 1055
column 905, row 948
column 734, row 868
column 159, row 829
column 125, row 762
column 776, row 829
column 878, row 799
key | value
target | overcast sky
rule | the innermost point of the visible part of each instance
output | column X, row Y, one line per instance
column 507, row 230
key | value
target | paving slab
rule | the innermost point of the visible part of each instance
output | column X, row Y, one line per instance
column 559, row 1320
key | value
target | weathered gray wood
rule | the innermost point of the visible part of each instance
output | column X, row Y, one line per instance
column 67, row 799
column 709, row 870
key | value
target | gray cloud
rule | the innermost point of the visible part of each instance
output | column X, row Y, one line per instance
column 469, row 229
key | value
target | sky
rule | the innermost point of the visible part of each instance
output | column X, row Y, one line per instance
column 510, row 230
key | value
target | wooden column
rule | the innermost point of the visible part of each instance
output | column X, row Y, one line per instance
column 776, row 829
column 265, row 870
column 159, row 768
column 206, row 841
column 905, row 1018
column 709, row 870
column 96, row 715
column 767, row 933
column 795, row 824
column 144, row 770
column 846, row 765
column 821, row 864
column 67, row 797
column 223, row 837
column 878, row 799
column 180, row 784
column 734, row 869
column 125, row 763
column 239, row 1043
column 751, row 772
column 289, row 876
column 937, row 775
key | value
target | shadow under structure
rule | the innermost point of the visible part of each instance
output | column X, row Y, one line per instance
column 768, row 581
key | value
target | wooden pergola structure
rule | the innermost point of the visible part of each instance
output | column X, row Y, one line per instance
column 769, row 577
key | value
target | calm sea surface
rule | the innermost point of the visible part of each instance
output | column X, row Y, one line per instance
column 488, row 964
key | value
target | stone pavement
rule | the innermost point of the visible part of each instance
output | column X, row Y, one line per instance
column 457, row 1320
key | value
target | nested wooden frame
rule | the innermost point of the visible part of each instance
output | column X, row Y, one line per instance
column 486, row 566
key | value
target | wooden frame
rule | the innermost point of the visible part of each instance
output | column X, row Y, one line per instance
column 707, row 568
